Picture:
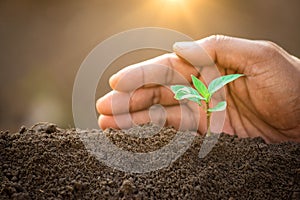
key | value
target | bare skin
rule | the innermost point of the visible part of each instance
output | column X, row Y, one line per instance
column 266, row 102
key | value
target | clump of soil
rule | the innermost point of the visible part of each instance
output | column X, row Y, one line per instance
column 46, row 162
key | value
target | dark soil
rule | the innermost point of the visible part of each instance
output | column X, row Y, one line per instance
column 46, row 162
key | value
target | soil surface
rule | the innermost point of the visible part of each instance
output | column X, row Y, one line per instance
column 46, row 162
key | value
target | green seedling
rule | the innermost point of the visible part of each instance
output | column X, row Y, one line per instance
column 204, row 94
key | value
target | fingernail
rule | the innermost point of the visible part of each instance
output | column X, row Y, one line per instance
column 184, row 45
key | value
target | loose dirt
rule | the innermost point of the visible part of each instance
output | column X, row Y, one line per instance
column 46, row 162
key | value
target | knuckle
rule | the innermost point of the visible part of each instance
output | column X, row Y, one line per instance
column 268, row 48
column 267, row 43
column 156, row 96
column 218, row 38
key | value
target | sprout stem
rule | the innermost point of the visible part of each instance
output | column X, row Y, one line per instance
column 208, row 115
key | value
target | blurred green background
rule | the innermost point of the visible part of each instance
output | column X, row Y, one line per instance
column 44, row 42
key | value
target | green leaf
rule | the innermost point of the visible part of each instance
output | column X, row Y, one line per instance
column 218, row 83
column 180, row 90
column 184, row 92
column 202, row 89
column 219, row 107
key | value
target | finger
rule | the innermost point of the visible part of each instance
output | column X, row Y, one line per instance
column 163, row 70
column 229, row 52
column 184, row 117
column 116, row 102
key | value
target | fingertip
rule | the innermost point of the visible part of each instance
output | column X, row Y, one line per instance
column 105, row 122
column 179, row 46
column 113, row 81
column 194, row 53
column 99, row 105
column 101, row 122
column 103, row 104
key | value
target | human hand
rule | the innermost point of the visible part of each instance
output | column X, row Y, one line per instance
column 265, row 103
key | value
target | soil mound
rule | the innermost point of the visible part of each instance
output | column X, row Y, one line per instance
column 46, row 162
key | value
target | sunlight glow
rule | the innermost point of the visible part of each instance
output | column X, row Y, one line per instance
column 174, row 1
column 169, row 13
column 174, row 12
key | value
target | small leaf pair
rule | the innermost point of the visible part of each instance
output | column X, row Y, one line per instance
column 203, row 93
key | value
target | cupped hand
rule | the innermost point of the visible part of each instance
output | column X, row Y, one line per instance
column 265, row 102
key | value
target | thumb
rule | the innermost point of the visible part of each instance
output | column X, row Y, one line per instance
column 194, row 53
column 227, row 52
